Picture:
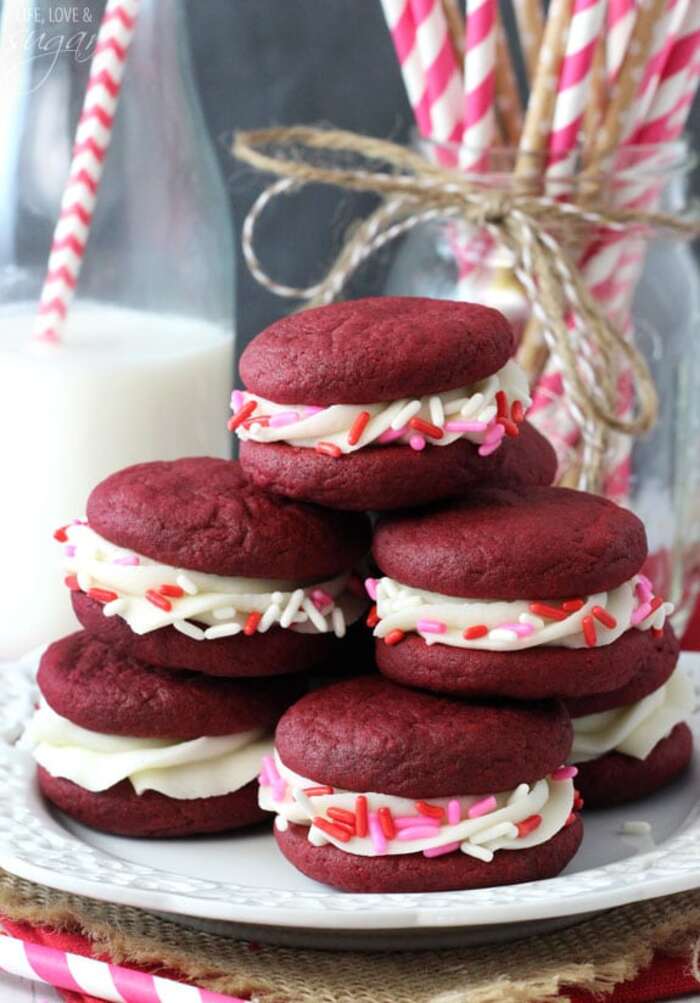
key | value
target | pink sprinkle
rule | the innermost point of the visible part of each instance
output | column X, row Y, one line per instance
column 69, row 550
column 129, row 559
column 321, row 599
column 416, row 832
column 279, row 789
column 284, row 418
column 371, row 588
column 482, row 807
column 412, row 821
column 643, row 588
column 641, row 613
column 417, row 442
column 269, row 770
column 79, row 522
column 431, row 626
column 565, row 773
column 494, row 434
column 391, row 435
column 454, row 812
column 378, row 837
column 486, row 450
column 312, row 409
column 237, row 400
column 439, row 851
column 465, row 426
column 519, row 629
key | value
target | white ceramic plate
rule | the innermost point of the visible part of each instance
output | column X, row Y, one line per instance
column 242, row 884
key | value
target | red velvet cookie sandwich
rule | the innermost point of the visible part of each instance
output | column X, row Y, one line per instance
column 524, row 593
column 633, row 741
column 138, row 751
column 187, row 565
column 386, row 402
column 378, row 788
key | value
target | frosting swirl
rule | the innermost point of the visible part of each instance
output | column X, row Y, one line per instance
column 495, row 625
column 478, row 825
column 637, row 728
column 150, row 595
column 199, row 768
column 471, row 413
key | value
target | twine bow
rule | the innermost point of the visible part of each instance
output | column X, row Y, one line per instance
column 587, row 346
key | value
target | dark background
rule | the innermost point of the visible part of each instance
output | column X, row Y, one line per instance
column 282, row 62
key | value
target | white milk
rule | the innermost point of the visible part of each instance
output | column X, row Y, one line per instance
column 123, row 388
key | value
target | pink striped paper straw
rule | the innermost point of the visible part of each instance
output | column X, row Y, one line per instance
column 479, row 84
column 78, row 974
column 620, row 22
column 89, row 153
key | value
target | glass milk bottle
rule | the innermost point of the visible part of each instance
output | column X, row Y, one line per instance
column 145, row 366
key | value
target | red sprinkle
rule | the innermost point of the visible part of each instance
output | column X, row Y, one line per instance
column 251, row 624
column 528, row 825
column 386, row 822
column 361, row 815
column 394, row 637
column 656, row 602
column 578, row 802
column 328, row 449
column 572, row 605
column 426, row 428
column 548, row 612
column 501, row 404
column 570, row 820
column 72, row 582
column 602, row 616
column 61, row 534
column 589, row 633
column 511, row 429
column 358, row 427
column 657, row 632
column 372, row 617
column 240, row 416
column 340, row 832
column 158, row 600
column 430, row 810
column 312, row 792
column 172, row 591
column 517, row 411
column 341, row 815
column 102, row 595
column 478, row 630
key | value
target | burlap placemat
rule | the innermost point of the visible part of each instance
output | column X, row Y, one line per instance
column 594, row 955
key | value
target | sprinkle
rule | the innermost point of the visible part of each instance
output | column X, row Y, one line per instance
column 517, row 412
column 519, row 629
column 480, row 852
column 656, row 602
column 417, row 442
column 454, row 812
column 548, row 612
column 283, row 418
column 391, row 435
column 528, row 825
column 439, row 851
column 251, row 624
column 270, row 616
column 394, row 637
column 407, row 412
column 409, row 821
column 358, row 427
column 437, row 411
column 431, row 626
column 338, row 621
column 502, row 634
column 311, row 409
column 572, row 605
column 465, row 426
column 472, row 406
column 482, row 807
column 222, row 630
column 171, row 591
column 478, row 630
column 430, row 810
column 494, row 434
column 386, row 822
column 341, row 815
column 501, row 404
column 241, row 415
column 509, row 427
column 501, row 830
column 186, row 583
column 292, row 608
column 314, row 615
column 328, row 449
column 61, row 535
column 565, row 773
column 372, row 618
column 571, row 818
column 69, row 550
column 375, row 831
column 602, row 616
column 417, row 832
column 130, row 560
column 534, row 621
column 426, row 428
column 643, row 588
column 237, row 400
column 103, row 595
column 520, row 792
column 657, row 632
column 589, row 631
column 334, row 829
column 578, row 801
column 641, row 613
column 72, row 583
column 636, row 828
column 189, row 629
column 317, row 792
column 371, row 587
column 361, row 815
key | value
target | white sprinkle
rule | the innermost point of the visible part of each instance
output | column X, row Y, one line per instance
column 316, row 617
column 281, row 823
column 187, row 585
column 503, row 830
column 114, row 607
column 405, row 414
column 534, row 621
column 636, row 828
column 84, row 580
column 189, row 629
column 224, row 613
column 520, row 792
column 472, row 405
column 480, row 852
column 502, row 634
column 269, row 617
column 222, row 630
column 437, row 412
column 338, row 620
column 304, row 802
column 292, row 607
column 488, row 414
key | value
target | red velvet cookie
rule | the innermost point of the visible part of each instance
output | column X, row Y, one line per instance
column 386, row 402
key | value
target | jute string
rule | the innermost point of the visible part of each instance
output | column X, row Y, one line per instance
column 540, row 233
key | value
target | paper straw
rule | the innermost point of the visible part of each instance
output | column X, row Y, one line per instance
column 597, row 100
column 508, row 107
column 89, row 153
column 530, row 20
column 78, row 974
column 621, row 18
column 479, row 83
column 441, row 73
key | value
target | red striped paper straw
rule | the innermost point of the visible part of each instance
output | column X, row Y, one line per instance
column 620, row 22
column 78, row 974
column 479, row 84
column 89, row 153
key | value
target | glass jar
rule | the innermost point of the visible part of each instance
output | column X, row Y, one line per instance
column 649, row 285
column 145, row 369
